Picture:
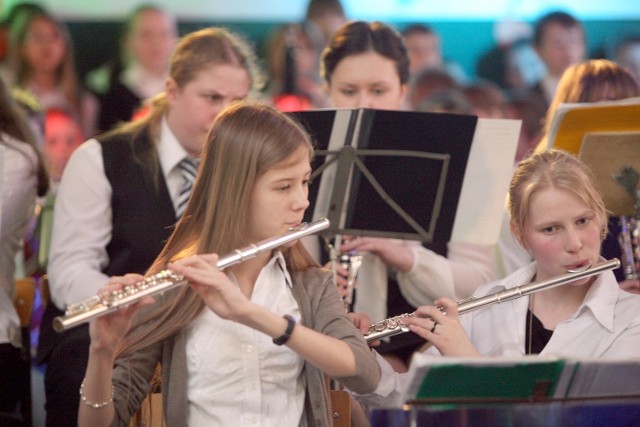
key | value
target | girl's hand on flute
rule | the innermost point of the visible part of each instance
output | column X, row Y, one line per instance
column 439, row 324
column 362, row 322
column 107, row 331
column 214, row 287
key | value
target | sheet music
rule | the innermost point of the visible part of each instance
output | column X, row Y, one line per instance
column 563, row 109
column 486, row 182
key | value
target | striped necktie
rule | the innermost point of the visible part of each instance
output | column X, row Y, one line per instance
column 187, row 167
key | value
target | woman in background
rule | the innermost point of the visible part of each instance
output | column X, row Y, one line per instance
column 366, row 65
column 43, row 64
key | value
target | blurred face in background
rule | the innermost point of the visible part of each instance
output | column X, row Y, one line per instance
column 62, row 136
column 152, row 40
column 423, row 50
column 366, row 80
column 194, row 106
column 561, row 47
column 44, row 46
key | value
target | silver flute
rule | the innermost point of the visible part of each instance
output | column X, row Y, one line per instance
column 102, row 304
column 395, row 325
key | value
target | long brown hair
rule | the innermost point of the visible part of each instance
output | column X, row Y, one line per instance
column 245, row 141
column 66, row 74
column 193, row 53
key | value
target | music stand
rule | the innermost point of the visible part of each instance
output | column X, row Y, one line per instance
column 607, row 154
column 365, row 160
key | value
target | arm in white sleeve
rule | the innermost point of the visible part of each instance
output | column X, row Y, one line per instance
column 456, row 276
column 82, row 224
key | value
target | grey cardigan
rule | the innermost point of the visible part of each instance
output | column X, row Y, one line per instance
column 321, row 310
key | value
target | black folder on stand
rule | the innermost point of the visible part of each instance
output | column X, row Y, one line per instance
column 394, row 174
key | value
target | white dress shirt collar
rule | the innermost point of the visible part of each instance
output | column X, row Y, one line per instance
column 600, row 298
column 170, row 151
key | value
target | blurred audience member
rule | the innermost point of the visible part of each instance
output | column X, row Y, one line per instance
column 424, row 48
column 427, row 83
column 141, row 67
column 559, row 40
column 42, row 61
column 512, row 62
column 627, row 53
column 486, row 98
column 446, row 101
column 62, row 135
column 17, row 10
column 323, row 18
column 293, row 63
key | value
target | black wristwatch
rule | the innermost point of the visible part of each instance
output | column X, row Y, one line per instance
column 282, row 339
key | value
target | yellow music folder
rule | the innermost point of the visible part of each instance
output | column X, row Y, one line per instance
column 572, row 121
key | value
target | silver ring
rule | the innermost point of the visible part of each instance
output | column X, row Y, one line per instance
column 434, row 326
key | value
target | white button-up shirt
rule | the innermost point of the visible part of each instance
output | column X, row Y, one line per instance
column 237, row 375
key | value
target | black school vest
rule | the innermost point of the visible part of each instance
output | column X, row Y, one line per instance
column 143, row 213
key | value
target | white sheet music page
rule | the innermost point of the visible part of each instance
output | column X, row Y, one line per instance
column 486, row 182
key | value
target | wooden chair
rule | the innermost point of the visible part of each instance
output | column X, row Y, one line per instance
column 23, row 303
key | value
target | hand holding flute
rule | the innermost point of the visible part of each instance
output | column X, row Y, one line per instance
column 439, row 324
column 107, row 331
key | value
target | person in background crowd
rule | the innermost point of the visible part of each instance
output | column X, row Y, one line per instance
column 141, row 68
column 627, row 54
column 559, row 40
column 62, row 135
column 424, row 48
column 43, row 64
column 366, row 66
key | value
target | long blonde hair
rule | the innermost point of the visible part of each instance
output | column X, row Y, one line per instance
column 66, row 75
column 245, row 141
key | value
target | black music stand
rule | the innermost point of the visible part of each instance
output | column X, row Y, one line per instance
column 393, row 174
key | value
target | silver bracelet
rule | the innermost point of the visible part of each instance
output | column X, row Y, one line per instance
column 94, row 405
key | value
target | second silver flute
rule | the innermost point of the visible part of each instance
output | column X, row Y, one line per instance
column 395, row 325
column 100, row 305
